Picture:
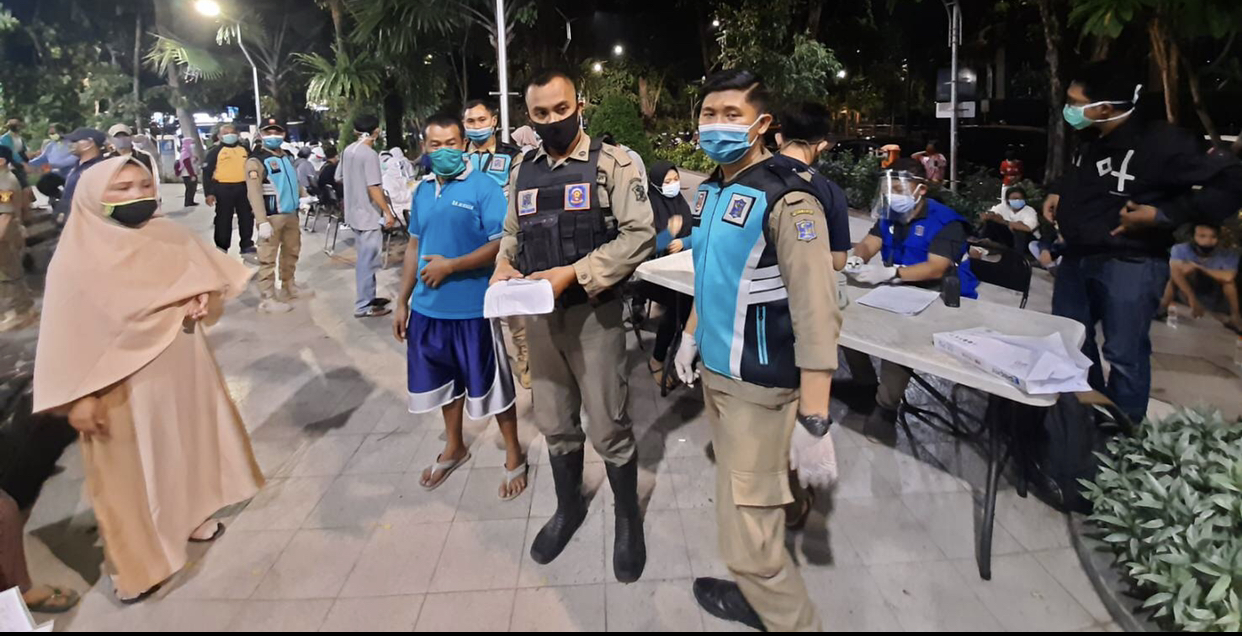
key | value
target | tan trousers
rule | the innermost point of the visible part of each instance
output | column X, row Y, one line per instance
column 577, row 359
column 286, row 240
column 14, row 295
column 751, row 429
column 518, row 352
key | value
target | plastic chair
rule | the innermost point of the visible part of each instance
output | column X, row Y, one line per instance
column 1012, row 271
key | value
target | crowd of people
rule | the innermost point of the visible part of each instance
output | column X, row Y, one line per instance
column 770, row 246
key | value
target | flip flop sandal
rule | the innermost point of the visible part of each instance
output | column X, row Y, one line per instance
column 59, row 602
column 215, row 535
column 666, row 382
column 446, row 468
column 141, row 597
column 510, row 475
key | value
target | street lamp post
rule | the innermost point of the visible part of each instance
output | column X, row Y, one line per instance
column 502, row 64
column 954, row 9
column 211, row 9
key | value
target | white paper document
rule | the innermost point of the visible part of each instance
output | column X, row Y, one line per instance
column 899, row 299
column 1038, row 365
column 518, row 297
column 15, row 617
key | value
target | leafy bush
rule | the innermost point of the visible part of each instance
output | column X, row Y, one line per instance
column 1168, row 501
column 619, row 116
column 686, row 155
column 858, row 177
column 980, row 189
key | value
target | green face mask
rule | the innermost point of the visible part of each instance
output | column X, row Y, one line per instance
column 448, row 162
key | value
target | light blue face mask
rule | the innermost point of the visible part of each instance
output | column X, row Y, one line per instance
column 229, row 139
column 1076, row 116
column 447, row 162
column 479, row 135
column 272, row 143
column 726, row 143
column 1017, row 204
column 902, row 203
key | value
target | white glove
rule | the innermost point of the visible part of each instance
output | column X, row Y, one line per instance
column 265, row 231
column 684, row 360
column 854, row 263
column 876, row 275
column 813, row 458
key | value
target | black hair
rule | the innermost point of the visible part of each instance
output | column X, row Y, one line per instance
column 6, row 154
column 329, row 151
column 1105, row 81
column 366, row 123
column 739, row 79
column 60, row 128
column 608, row 138
column 911, row 165
column 444, row 120
column 545, row 77
column 1211, row 226
column 934, row 143
column 806, row 121
column 1013, row 189
column 491, row 108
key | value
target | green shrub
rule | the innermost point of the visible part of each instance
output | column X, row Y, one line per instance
column 858, row 177
column 620, row 116
column 1168, row 501
column 686, row 156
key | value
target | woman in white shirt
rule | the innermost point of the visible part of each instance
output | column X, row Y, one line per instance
column 1012, row 221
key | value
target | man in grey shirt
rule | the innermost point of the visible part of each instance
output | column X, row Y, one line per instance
column 365, row 205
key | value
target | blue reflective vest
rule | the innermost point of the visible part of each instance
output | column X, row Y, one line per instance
column 280, row 183
column 918, row 238
column 745, row 331
column 496, row 165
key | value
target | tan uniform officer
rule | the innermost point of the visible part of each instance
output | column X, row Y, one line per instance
column 579, row 218
column 274, row 193
column 768, row 341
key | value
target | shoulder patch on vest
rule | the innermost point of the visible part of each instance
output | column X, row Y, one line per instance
column 640, row 192
column 528, row 201
column 806, row 230
column 577, row 197
column 254, row 174
column 498, row 164
column 738, row 209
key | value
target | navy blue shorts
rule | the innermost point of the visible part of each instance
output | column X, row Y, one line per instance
column 449, row 359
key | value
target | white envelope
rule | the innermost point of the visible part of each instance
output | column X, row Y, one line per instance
column 1038, row 365
column 518, row 297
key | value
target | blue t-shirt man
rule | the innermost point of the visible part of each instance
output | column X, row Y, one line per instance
column 452, row 220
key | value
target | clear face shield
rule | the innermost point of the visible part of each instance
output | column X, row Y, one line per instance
column 898, row 196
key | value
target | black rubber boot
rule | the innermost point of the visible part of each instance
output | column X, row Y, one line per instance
column 629, row 549
column 571, row 509
column 724, row 600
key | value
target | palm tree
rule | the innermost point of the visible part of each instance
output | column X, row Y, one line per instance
column 343, row 83
column 177, row 60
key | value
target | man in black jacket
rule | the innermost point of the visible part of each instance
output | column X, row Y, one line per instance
column 224, row 181
column 1131, row 184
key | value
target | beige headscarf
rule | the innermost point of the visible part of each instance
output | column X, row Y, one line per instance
column 115, row 295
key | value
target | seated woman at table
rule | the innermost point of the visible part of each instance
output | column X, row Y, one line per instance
column 920, row 240
column 672, row 222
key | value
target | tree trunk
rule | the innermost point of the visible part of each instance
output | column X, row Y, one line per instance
column 1100, row 48
column 1053, row 30
column 338, row 23
column 137, row 70
column 163, row 24
column 394, row 108
column 705, row 42
column 1192, row 78
column 1164, row 51
column 813, row 18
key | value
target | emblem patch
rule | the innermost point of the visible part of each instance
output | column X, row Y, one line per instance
column 528, row 201
column 918, row 230
column 498, row 164
column 806, row 230
column 6, row 196
column 577, row 197
column 738, row 209
column 698, row 203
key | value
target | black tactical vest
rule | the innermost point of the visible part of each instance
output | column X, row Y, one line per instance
column 560, row 216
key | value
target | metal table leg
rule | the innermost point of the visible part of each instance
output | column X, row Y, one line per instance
column 995, row 465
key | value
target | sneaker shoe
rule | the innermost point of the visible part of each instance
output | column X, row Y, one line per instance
column 373, row 312
column 273, row 306
column 380, row 302
column 250, row 250
column 294, row 291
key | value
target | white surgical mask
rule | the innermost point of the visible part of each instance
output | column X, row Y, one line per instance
column 671, row 190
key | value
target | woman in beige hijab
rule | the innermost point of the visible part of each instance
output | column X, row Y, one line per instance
column 122, row 353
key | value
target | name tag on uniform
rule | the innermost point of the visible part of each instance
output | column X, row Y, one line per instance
column 497, row 164
column 738, row 209
column 698, row 203
column 578, row 197
column 528, row 201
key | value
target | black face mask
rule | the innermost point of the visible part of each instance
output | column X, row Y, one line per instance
column 134, row 213
column 1203, row 251
column 558, row 135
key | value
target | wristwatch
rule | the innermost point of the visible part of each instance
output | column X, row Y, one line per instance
column 816, row 425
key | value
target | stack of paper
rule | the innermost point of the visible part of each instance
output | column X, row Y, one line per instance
column 518, row 297
column 1037, row 365
column 899, row 299
column 15, row 616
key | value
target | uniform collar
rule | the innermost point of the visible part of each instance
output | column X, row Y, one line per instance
column 581, row 152
column 460, row 177
column 718, row 174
